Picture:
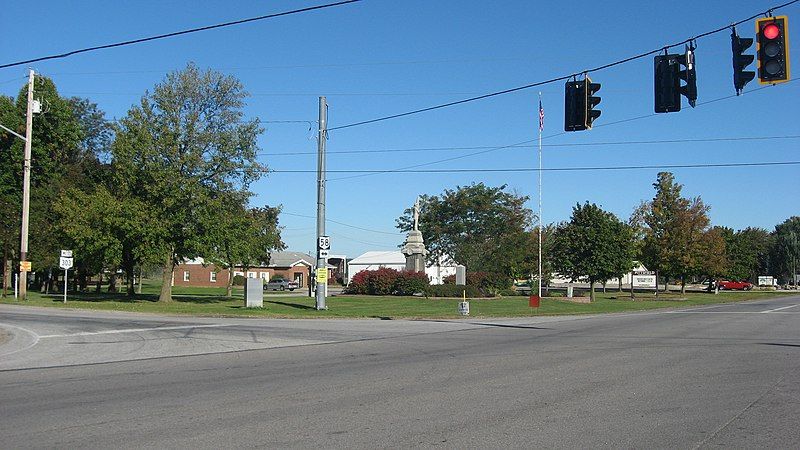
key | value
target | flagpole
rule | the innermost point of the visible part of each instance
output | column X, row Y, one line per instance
column 541, row 126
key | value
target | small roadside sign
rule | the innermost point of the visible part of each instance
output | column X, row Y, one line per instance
column 65, row 263
column 25, row 266
column 66, row 253
column 322, row 276
column 324, row 243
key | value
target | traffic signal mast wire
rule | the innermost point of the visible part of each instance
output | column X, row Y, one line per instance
column 178, row 33
column 565, row 77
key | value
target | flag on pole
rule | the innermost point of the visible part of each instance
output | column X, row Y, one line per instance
column 541, row 116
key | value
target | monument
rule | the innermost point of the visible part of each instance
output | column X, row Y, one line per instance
column 414, row 248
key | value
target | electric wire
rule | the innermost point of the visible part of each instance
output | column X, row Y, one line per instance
column 554, row 169
column 561, row 78
column 179, row 33
column 361, row 175
column 578, row 144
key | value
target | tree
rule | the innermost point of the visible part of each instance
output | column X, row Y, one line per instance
column 594, row 244
column 182, row 148
column 785, row 254
column 747, row 252
column 243, row 237
column 484, row 228
column 59, row 160
column 674, row 231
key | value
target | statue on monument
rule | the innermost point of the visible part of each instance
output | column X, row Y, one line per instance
column 414, row 248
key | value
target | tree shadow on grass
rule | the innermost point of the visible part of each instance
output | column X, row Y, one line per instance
column 290, row 305
column 138, row 298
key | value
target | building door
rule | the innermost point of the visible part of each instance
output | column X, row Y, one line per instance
column 299, row 278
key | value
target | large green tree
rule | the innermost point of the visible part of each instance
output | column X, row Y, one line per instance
column 482, row 227
column 594, row 245
column 785, row 254
column 183, row 147
column 674, row 230
column 243, row 237
column 60, row 159
column 747, row 252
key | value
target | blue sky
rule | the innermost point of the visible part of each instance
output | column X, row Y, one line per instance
column 376, row 58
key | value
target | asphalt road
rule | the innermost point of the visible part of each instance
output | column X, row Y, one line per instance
column 724, row 376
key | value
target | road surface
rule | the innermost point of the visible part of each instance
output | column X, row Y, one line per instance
column 723, row 376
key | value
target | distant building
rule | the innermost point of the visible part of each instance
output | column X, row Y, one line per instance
column 396, row 260
column 294, row 266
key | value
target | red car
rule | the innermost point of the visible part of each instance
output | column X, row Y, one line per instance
column 735, row 285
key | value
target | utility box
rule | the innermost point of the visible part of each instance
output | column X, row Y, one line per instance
column 461, row 275
column 254, row 293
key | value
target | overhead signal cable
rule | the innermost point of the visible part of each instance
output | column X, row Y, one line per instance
column 564, row 77
column 179, row 33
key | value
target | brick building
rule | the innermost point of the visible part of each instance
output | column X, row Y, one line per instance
column 293, row 266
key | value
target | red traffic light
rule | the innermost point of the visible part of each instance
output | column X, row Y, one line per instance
column 771, row 31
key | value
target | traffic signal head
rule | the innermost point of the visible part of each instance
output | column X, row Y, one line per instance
column 667, row 83
column 772, row 39
column 669, row 70
column 741, row 61
column 579, row 104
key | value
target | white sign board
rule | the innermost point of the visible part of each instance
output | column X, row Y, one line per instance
column 324, row 243
column 66, row 253
column 644, row 280
column 65, row 263
column 766, row 281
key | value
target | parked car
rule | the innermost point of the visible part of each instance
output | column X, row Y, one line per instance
column 735, row 285
column 281, row 285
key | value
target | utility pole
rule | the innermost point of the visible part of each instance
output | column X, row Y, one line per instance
column 26, row 191
column 321, row 261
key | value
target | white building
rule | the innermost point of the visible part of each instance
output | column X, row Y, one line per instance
column 374, row 260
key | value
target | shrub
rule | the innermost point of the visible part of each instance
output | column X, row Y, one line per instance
column 410, row 283
column 386, row 281
column 238, row 280
column 451, row 290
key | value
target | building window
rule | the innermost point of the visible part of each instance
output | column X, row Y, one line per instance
column 252, row 275
column 185, row 275
column 213, row 277
column 241, row 274
column 264, row 276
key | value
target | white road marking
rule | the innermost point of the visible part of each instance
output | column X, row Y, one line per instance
column 778, row 309
column 133, row 330
column 36, row 338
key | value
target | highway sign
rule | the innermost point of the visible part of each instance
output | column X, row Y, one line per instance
column 65, row 263
column 66, row 253
column 324, row 243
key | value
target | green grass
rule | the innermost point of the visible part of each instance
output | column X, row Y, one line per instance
column 212, row 302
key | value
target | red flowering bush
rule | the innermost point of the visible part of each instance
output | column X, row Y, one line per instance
column 386, row 281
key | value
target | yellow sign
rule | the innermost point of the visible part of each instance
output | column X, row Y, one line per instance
column 322, row 276
column 25, row 266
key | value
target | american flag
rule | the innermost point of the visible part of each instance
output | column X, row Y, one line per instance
column 541, row 116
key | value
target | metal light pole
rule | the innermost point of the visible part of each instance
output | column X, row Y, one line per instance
column 26, row 191
column 321, row 261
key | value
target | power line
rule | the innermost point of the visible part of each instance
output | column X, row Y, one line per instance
column 581, row 144
column 532, row 140
column 341, row 223
column 555, row 169
column 564, row 77
column 178, row 33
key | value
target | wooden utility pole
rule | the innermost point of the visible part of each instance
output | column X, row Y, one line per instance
column 26, row 192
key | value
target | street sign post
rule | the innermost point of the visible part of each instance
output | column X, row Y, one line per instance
column 324, row 246
column 65, row 262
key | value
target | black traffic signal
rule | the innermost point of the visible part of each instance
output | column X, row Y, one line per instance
column 741, row 61
column 579, row 104
column 773, row 49
column 669, row 71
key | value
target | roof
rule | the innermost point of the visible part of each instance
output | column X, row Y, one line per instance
column 377, row 257
column 289, row 259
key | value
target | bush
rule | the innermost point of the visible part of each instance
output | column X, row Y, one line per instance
column 238, row 280
column 386, row 281
column 451, row 290
column 410, row 283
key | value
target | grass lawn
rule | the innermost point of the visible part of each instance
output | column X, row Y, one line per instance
column 212, row 302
